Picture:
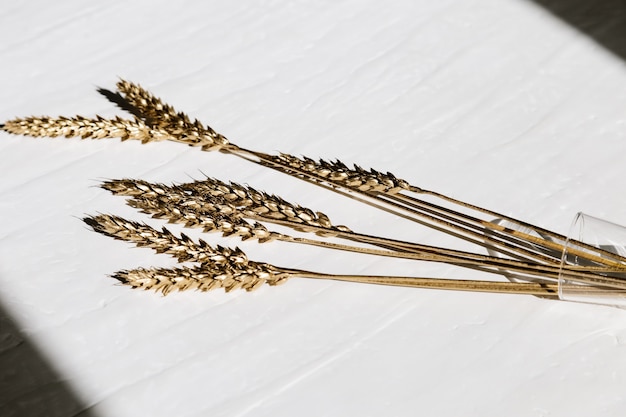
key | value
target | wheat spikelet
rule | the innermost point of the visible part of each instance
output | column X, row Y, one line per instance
column 338, row 173
column 177, row 124
column 132, row 188
column 83, row 127
column 201, row 278
column 183, row 248
column 150, row 106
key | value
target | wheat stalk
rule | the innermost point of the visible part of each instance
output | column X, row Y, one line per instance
column 200, row 278
column 230, row 269
column 387, row 196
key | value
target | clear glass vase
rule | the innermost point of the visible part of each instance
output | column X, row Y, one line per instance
column 590, row 239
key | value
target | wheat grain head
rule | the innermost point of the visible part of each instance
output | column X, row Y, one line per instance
column 201, row 278
column 177, row 124
column 83, row 127
column 336, row 172
column 183, row 248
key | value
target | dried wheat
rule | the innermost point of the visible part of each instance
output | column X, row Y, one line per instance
column 183, row 248
column 337, row 172
column 83, row 127
column 212, row 195
column 201, row 278
column 156, row 112
column 177, row 124
column 217, row 206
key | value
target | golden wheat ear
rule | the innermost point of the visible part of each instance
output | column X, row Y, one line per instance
column 199, row 278
column 84, row 128
column 158, row 114
column 183, row 248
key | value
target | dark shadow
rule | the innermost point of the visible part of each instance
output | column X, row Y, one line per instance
column 29, row 386
column 120, row 101
column 602, row 20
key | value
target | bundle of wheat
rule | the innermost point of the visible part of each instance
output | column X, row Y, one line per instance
column 530, row 257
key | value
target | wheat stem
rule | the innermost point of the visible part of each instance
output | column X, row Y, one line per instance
column 531, row 288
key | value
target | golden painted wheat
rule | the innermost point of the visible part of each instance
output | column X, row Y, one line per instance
column 524, row 251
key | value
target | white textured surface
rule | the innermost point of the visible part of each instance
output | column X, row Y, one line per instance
column 494, row 102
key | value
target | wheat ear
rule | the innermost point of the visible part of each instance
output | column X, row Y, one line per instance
column 83, row 127
column 184, row 249
column 180, row 127
column 201, row 278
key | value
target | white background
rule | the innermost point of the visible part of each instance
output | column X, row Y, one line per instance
column 497, row 103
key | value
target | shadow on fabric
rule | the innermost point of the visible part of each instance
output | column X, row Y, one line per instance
column 29, row 386
column 602, row 20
